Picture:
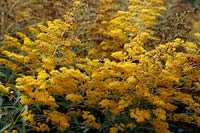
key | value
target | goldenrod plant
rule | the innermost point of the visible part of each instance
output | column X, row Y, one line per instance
column 101, row 76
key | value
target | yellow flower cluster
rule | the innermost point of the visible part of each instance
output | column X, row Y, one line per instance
column 29, row 116
column 13, row 131
column 41, row 127
column 4, row 89
column 33, row 96
column 197, row 35
column 160, row 126
column 140, row 115
column 89, row 120
column 129, row 86
column 58, row 118
column 74, row 98
column 126, row 25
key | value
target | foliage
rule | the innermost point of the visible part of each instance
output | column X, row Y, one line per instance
column 103, row 69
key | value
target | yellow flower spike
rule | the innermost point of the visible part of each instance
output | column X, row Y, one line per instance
column 105, row 103
column 197, row 35
column 6, row 131
column 42, row 27
column 160, row 113
column 21, row 35
column 55, row 73
column 25, row 100
column 11, row 65
column 140, row 115
column 156, row 1
column 162, row 9
column 4, row 89
column 118, row 55
column 160, row 126
column 92, row 51
column 130, row 126
column 48, row 63
column 134, row 1
column 113, row 130
column 77, row 4
column 42, row 75
column 58, row 118
column 29, row 116
column 105, row 1
column 74, row 98
column 41, row 127
column 111, row 85
column 11, row 42
column 33, row 31
column 26, row 59
column 14, row 131
column 119, row 127
column 50, row 23
column 122, row 125
column 90, row 120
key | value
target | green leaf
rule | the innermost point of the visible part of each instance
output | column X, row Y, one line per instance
column 5, row 127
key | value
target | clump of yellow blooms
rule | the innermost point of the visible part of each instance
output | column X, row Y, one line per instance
column 13, row 131
column 130, row 86
column 74, row 98
column 3, row 88
column 29, row 116
column 89, row 120
column 58, row 118
column 140, row 115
